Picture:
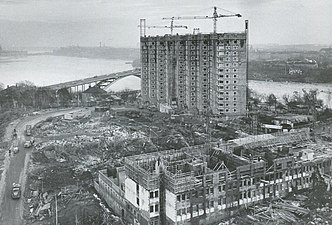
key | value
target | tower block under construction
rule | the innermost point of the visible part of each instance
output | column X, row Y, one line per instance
column 196, row 72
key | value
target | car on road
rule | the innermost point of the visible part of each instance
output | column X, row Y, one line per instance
column 15, row 150
column 27, row 144
column 16, row 191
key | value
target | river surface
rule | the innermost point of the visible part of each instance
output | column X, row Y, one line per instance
column 288, row 88
column 46, row 69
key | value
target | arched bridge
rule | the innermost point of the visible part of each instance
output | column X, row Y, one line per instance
column 100, row 81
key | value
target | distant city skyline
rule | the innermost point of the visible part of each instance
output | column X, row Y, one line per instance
column 46, row 23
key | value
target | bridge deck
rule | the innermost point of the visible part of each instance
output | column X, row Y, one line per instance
column 95, row 79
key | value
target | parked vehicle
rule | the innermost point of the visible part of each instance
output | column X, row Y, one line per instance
column 14, row 133
column 15, row 149
column 16, row 191
column 27, row 144
column 28, row 130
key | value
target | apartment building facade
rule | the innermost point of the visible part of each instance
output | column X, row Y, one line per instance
column 200, row 73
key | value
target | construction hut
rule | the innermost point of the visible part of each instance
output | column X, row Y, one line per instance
column 91, row 95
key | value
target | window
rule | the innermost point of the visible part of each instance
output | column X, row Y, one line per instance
column 151, row 194
column 137, row 201
column 178, row 198
column 151, row 208
column 156, row 194
column 156, row 208
column 178, row 212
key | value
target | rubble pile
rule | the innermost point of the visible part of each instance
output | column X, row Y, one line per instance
column 73, row 204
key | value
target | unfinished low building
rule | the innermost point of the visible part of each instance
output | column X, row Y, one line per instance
column 208, row 183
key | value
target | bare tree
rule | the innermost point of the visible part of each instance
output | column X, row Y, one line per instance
column 25, row 83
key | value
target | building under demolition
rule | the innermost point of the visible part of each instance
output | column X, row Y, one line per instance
column 207, row 183
column 200, row 73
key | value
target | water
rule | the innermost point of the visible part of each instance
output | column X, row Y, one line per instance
column 288, row 88
column 45, row 70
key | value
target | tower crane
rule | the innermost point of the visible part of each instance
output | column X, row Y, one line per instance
column 214, row 17
column 172, row 26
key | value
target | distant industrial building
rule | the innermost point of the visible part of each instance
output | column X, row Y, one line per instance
column 196, row 72
column 208, row 183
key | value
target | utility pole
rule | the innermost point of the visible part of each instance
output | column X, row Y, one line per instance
column 56, row 211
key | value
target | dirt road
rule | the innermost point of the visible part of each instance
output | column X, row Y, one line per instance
column 11, row 211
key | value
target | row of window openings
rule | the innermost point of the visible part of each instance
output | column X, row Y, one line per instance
column 154, row 194
column 220, row 64
column 161, row 53
column 227, row 53
column 220, row 70
column 196, row 208
column 183, row 197
column 226, row 82
column 205, row 43
column 192, row 73
column 227, row 75
column 160, row 97
column 227, row 93
column 226, row 110
column 192, row 53
column 226, row 99
column 154, row 208
column 221, row 104
column 194, row 84
column 227, row 59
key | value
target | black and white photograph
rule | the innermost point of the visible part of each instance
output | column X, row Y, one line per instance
column 165, row 112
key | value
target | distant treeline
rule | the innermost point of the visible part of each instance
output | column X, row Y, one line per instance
column 98, row 52
column 259, row 71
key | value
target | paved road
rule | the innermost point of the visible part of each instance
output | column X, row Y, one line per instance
column 11, row 211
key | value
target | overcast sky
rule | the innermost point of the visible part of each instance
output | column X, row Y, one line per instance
column 57, row 23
